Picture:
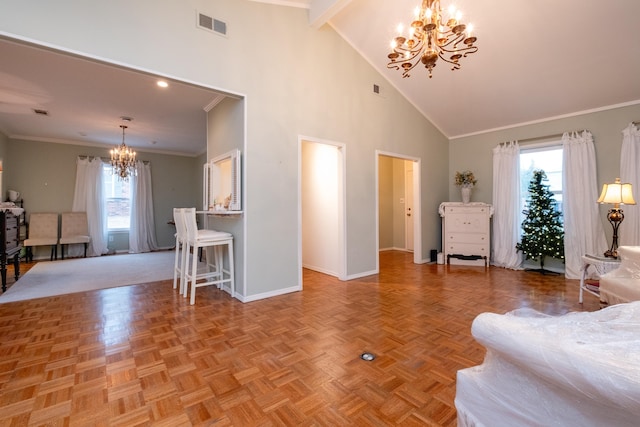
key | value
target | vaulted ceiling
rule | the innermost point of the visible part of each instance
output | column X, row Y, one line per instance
column 537, row 60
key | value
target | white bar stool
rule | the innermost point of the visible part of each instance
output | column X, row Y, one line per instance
column 181, row 249
column 215, row 272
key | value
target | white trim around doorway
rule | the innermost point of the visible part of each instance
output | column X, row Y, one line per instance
column 417, row 205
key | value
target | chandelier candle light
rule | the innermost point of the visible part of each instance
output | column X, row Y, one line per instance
column 432, row 36
column 123, row 159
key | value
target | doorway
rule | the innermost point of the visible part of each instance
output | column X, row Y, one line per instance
column 398, row 192
column 322, row 207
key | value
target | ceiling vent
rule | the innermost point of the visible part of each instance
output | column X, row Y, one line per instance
column 211, row 24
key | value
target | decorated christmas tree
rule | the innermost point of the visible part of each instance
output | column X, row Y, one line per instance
column 543, row 234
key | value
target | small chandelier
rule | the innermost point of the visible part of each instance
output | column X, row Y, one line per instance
column 431, row 37
column 123, row 159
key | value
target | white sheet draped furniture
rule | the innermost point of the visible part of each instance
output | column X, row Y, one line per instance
column 193, row 240
column 623, row 284
column 580, row 369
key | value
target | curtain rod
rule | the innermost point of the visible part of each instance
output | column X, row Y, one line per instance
column 84, row 156
column 554, row 136
column 104, row 159
column 537, row 138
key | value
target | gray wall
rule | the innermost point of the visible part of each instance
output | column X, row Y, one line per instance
column 288, row 93
column 45, row 174
column 475, row 152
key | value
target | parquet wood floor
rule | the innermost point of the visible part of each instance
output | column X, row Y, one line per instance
column 141, row 355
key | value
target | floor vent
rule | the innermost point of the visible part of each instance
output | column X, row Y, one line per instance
column 211, row 24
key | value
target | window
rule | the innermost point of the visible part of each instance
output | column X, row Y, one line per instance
column 117, row 198
column 549, row 159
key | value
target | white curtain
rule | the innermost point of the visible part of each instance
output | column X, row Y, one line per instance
column 142, row 237
column 88, row 198
column 629, row 233
column 506, row 206
column 583, row 231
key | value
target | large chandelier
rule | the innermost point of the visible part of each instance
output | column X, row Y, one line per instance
column 123, row 159
column 430, row 37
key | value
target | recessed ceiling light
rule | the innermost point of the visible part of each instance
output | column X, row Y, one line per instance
column 162, row 83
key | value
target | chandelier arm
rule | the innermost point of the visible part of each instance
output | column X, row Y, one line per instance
column 466, row 50
column 455, row 65
column 405, row 72
column 452, row 41
column 414, row 50
column 469, row 50
column 399, row 63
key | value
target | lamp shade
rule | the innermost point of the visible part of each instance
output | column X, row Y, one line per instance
column 617, row 193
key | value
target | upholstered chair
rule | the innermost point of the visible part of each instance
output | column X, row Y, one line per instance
column 74, row 230
column 43, row 231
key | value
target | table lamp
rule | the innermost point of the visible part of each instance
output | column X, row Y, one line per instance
column 616, row 194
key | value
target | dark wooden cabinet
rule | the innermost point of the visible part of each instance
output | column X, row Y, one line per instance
column 10, row 244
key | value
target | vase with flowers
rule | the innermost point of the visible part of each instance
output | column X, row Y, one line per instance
column 465, row 180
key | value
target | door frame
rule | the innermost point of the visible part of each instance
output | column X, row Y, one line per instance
column 417, row 205
column 342, row 211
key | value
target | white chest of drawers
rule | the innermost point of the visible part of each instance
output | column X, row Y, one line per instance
column 466, row 232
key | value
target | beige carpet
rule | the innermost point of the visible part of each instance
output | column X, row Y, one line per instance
column 86, row 274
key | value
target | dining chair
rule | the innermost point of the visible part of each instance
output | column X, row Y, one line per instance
column 43, row 231
column 215, row 273
column 74, row 230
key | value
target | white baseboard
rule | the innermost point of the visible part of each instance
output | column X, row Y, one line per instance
column 394, row 249
column 320, row 270
column 363, row 274
column 257, row 297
